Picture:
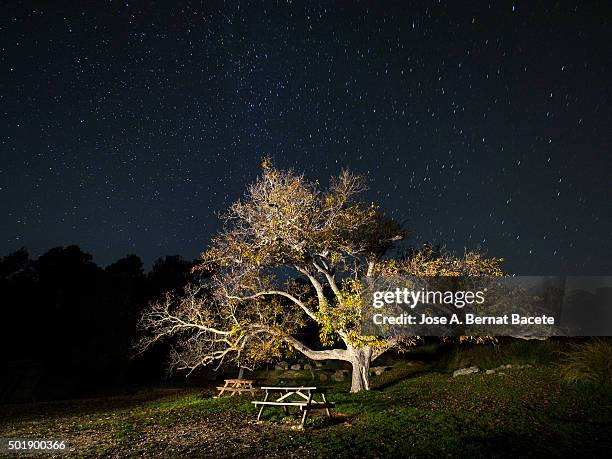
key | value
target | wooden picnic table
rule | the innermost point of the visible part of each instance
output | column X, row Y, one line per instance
column 296, row 396
column 237, row 386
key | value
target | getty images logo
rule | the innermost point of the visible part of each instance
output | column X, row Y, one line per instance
column 412, row 298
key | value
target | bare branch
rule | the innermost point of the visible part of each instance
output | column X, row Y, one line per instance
column 301, row 304
column 331, row 354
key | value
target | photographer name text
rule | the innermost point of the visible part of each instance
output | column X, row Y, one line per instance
column 467, row 319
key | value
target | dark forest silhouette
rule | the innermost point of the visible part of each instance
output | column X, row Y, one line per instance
column 68, row 324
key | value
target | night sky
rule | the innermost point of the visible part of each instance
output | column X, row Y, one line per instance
column 126, row 127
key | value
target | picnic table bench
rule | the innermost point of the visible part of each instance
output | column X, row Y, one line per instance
column 237, row 386
column 298, row 396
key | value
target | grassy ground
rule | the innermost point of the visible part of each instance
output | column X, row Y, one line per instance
column 522, row 412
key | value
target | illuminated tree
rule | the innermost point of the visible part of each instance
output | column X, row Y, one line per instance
column 290, row 253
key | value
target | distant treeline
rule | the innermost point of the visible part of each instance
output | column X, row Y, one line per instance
column 68, row 324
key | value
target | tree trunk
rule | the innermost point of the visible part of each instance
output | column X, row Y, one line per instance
column 360, row 358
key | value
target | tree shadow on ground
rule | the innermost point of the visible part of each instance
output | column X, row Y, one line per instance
column 89, row 406
column 323, row 422
column 395, row 376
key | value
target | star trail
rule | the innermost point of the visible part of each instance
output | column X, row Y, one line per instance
column 128, row 126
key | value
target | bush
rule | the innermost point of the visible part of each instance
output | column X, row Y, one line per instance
column 533, row 352
column 480, row 355
column 509, row 352
column 589, row 362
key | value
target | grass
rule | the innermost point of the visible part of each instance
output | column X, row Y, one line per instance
column 589, row 362
column 409, row 412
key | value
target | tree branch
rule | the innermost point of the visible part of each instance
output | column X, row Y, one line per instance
column 391, row 343
column 329, row 354
column 301, row 304
column 316, row 284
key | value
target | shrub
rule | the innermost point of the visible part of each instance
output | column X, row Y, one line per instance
column 589, row 362
column 533, row 352
column 507, row 352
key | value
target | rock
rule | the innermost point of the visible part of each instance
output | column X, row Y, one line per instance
column 292, row 374
column 509, row 366
column 322, row 377
column 378, row 370
column 490, row 372
column 465, row 371
column 338, row 376
column 307, row 366
column 500, row 368
column 296, row 366
column 318, row 364
column 282, row 366
column 520, row 367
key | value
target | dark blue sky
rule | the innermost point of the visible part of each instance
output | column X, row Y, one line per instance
column 127, row 126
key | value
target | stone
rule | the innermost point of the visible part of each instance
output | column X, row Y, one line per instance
column 322, row 377
column 378, row 370
column 318, row 364
column 499, row 368
column 281, row 366
column 291, row 374
column 465, row 371
column 296, row 366
column 338, row 376
column 307, row 366
column 490, row 372
column 509, row 366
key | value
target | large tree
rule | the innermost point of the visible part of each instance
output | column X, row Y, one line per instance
column 291, row 253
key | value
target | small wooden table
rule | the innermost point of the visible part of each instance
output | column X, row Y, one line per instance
column 237, row 386
column 303, row 397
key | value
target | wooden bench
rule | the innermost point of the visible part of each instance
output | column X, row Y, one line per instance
column 237, row 386
column 305, row 400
